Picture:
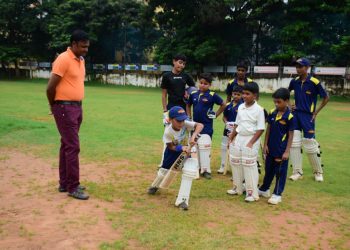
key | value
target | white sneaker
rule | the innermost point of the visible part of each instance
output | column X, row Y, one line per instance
column 249, row 198
column 275, row 199
column 296, row 176
column 221, row 170
column 232, row 192
column 318, row 177
column 265, row 194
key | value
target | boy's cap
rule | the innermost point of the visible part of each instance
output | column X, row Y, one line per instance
column 302, row 62
column 177, row 113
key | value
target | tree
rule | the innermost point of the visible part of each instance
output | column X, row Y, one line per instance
column 22, row 30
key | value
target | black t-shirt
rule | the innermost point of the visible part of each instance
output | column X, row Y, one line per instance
column 175, row 86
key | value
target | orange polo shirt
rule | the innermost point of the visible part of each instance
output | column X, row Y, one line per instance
column 72, row 71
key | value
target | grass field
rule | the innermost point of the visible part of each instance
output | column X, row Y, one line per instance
column 121, row 137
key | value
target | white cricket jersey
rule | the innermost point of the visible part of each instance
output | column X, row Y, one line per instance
column 178, row 137
column 250, row 119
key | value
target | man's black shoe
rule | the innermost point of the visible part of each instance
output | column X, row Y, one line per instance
column 63, row 190
column 79, row 194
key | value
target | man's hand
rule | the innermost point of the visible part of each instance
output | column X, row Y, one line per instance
column 211, row 114
column 166, row 118
column 313, row 117
column 285, row 156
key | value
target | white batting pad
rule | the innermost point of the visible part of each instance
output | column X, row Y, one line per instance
column 313, row 153
column 250, row 171
column 160, row 176
column 189, row 172
column 295, row 155
column 237, row 170
column 204, row 147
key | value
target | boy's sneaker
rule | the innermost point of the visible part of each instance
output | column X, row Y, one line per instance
column 275, row 199
column 221, row 170
column 79, row 194
column 207, row 175
column 152, row 190
column 183, row 205
column 265, row 194
column 296, row 176
column 232, row 192
column 249, row 198
column 319, row 177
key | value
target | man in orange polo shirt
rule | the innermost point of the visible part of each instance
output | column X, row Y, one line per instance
column 65, row 92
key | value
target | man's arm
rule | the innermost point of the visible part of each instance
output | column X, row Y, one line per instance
column 325, row 100
column 188, row 110
column 51, row 88
column 164, row 99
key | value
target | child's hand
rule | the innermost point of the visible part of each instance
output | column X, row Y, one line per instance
column 265, row 150
column 285, row 156
column 186, row 149
column 165, row 118
column 293, row 106
column 249, row 145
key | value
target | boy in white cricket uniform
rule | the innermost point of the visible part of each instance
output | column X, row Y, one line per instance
column 176, row 139
column 245, row 138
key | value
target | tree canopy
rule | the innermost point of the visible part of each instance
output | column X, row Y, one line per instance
column 217, row 32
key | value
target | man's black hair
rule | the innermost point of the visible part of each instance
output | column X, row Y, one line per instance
column 78, row 36
column 251, row 87
column 237, row 88
column 180, row 57
column 281, row 93
column 242, row 65
column 207, row 77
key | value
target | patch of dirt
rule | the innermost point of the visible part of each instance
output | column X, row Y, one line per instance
column 342, row 108
column 34, row 215
column 342, row 119
column 287, row 226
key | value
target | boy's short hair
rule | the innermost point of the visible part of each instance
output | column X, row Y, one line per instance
column 207, row 77
column 79, row 36
column 281, row 93
column 181, row 57
column 237, row 88
column 251, row 87
column 242, row 65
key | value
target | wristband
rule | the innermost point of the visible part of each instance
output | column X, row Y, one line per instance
column 178, row 148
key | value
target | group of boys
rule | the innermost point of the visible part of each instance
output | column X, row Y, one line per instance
column 244, row 122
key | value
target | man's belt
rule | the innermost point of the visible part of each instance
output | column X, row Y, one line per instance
column 76, row 103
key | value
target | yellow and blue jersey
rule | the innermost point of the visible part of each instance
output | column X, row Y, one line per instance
column 305, row 93
column 230, row 112
column 202, row 102
column 279, row 129
column 234, row 82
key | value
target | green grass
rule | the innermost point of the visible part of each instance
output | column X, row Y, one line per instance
column 124, row 125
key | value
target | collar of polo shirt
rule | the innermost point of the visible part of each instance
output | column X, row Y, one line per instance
column 72, row 55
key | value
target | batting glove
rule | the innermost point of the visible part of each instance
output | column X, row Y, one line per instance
column 211, row 114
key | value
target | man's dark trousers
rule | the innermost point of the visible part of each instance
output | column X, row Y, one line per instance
column 68, row 119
